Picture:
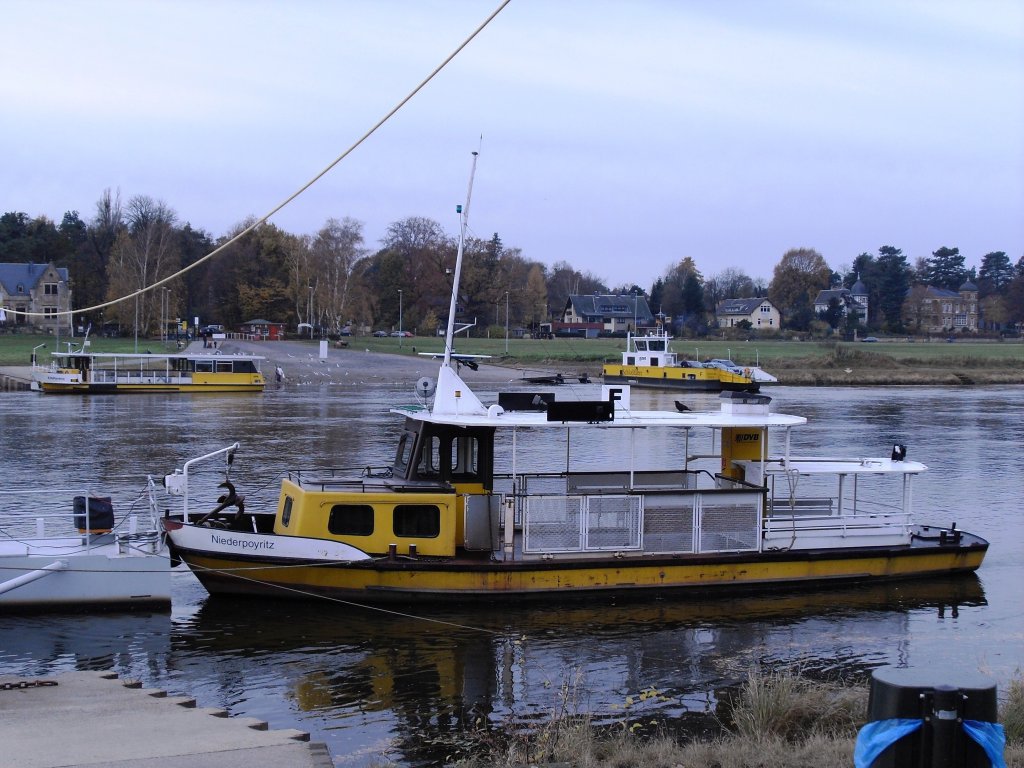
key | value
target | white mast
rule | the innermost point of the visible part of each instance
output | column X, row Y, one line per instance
column 453, row 397
column 463, row 210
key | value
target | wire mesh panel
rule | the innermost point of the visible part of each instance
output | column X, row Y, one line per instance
column 543, row 484
column 552, row 524
column 668, row 523
column 729, row 523
column 613, row 522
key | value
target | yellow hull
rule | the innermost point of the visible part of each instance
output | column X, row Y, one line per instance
column 404, row 579
column 206, row 386
column 699, row 379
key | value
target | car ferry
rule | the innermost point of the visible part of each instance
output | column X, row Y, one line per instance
column 533, row 496
column 117, row 373
column 650, row 362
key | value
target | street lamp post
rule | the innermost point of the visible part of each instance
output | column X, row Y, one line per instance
column 57, row 316
column 401, row 334
column 506, row 322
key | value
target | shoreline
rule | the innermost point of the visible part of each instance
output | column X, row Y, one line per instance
column 354, row 366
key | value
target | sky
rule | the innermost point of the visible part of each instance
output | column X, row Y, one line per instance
column 620, row 137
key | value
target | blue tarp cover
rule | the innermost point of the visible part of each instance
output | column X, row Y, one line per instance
column 874, row 738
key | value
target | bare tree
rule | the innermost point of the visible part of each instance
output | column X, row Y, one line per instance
column 145, row 251
column 335, row 252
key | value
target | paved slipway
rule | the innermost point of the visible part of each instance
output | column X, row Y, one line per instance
column 79, row 719
column 301, row 364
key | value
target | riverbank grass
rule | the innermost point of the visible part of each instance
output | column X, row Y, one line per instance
column 773, row 720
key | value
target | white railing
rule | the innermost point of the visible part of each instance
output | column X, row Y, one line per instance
column 34, row 518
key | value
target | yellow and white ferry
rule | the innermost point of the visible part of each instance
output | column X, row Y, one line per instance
column 650, row 362
column 116, row 373
column 533, row 496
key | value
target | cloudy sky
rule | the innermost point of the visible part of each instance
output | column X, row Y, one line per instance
column 618, row 136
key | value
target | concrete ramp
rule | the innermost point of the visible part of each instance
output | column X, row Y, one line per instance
column 78, row 719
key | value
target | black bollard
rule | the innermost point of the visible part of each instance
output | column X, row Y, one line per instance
column 942, row 699
column 946, row 724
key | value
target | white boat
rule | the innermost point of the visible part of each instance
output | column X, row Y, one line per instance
column 80, row 372
column 61, row 552
column 533, row 496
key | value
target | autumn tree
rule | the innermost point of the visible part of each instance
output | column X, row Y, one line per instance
column 250, row 279
column 535, row 297
column 796, row 281
column 416, row 258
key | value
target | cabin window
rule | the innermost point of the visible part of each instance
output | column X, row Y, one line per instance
column 204, row 366
column 224, row 366
column 430, row 459
column 286, row 511
column 465, row 457
column 417, row 520
column 404, row 453
column 351, row 520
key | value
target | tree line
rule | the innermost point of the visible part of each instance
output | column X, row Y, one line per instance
column 333, row 281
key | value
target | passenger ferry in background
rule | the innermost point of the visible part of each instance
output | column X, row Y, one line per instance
column 80, row 372
column 650, row 362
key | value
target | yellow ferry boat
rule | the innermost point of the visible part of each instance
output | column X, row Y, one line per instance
column 532, row 496
column 117, row 373
column 650, row 362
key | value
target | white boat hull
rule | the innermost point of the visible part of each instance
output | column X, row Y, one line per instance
column 102, row 577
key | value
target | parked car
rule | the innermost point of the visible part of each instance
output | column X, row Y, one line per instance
column 380, row 334
column 725, row 365
column 869, row 339
column 402, row 334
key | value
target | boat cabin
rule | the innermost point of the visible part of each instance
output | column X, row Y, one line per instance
column 652, row 350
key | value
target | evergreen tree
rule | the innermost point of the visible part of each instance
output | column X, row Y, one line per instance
column 893, row 277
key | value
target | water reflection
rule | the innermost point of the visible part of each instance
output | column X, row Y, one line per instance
column 367, row 682
column 342, row 671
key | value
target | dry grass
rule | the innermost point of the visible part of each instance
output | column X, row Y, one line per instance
column 788, row 706
column 1012, row 713
column 775, row 720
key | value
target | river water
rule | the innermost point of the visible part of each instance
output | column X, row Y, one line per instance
column 379, row 685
